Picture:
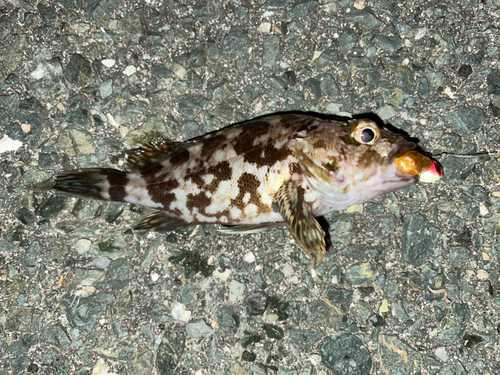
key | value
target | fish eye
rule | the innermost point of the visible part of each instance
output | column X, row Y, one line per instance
column 365, row 132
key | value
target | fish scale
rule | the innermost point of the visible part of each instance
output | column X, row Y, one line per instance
column 280, row 169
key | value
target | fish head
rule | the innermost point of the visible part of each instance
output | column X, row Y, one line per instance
column 385, row 159
column 365, row 161
column 389, row 152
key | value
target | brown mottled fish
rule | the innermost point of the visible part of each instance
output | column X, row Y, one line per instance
column 284, row 169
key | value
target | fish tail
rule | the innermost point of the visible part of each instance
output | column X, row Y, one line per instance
column 92, row 183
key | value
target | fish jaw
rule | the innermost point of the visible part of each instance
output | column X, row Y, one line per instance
column 415, row 164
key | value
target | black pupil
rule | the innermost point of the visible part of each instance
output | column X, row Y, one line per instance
column 367, row 135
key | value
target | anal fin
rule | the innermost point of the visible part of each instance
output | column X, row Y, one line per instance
column 161, row 222
column 248, row 228
column 305, row 229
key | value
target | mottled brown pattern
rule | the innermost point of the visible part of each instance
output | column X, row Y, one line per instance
column 267, row 154
column 199, row 200
column 117, row 193
column 114, row 178
column 179, row 158
column 154, row 174
column 212, row 144
column 369, row 156
column 162, row 192
column 319, row 143
column 331, row 165
column 248, row 183
column 256, row 129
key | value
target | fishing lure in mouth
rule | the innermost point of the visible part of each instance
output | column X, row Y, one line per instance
column 283, row 169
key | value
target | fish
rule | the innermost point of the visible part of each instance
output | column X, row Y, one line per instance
column 283, row 169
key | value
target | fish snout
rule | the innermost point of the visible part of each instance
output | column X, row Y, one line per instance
column 414, row 163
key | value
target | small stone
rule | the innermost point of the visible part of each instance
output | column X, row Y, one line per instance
column 178, row 311
column 264, row 27
column 236, row 290
column 191, row 106
column 301, row 10
column 241, row 12
column 271, row 50
column 47, row 13
column 482, row 275
column 458, row 255
column 376, row 320
column 75, row 141
column 108, row 63
column 55, row 335
column 397, row 357
column 327, row 58
column 419, row 240
column 235, row 44
column 7, row 144
column 227, row 319
column 82, row 246
column 341, row 298
column 290, row 78
column 129, row 70
column 345, row 354
column 248, row 356
column 384, row 306
column 213, row 53
column 249, row 257
column 451, row 335
column 78, row 70
column 51, row 207
column 256, row 303
column 161, row 71
column 303, row 338
column 170, row 350
column 360, row 274
column 49, row 84
column 314, row 86
column 464, row 71
column 387, row 43
column 222, row 276
column 276, row 4
column 100, row 367
column 274, row 332
column 106, row 88
column 363, row 17
column 493, row 82
column 118, row 275
column 83, row 312
column 329, row 86
column 387, row 112
column 348, row 40
column 198, row 329
column 467, row 120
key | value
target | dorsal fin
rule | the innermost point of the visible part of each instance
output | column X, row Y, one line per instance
column 153, row 153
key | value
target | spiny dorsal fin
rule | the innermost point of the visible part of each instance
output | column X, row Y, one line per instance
column 153, row 153
column 305, row 229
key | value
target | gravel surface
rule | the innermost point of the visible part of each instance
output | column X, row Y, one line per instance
column 412, row 284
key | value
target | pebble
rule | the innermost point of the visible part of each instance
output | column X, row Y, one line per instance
column 129, row 70
column 7, row 144
column 108, row 62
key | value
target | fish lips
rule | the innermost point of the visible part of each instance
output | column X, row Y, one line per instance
column 413, row 163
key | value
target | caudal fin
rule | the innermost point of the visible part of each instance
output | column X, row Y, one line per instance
column 92, row 183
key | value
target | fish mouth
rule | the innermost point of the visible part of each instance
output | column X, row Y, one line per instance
column 412, row 162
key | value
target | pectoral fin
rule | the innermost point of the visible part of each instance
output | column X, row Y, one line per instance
column 305, row 229
column 327, row 189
